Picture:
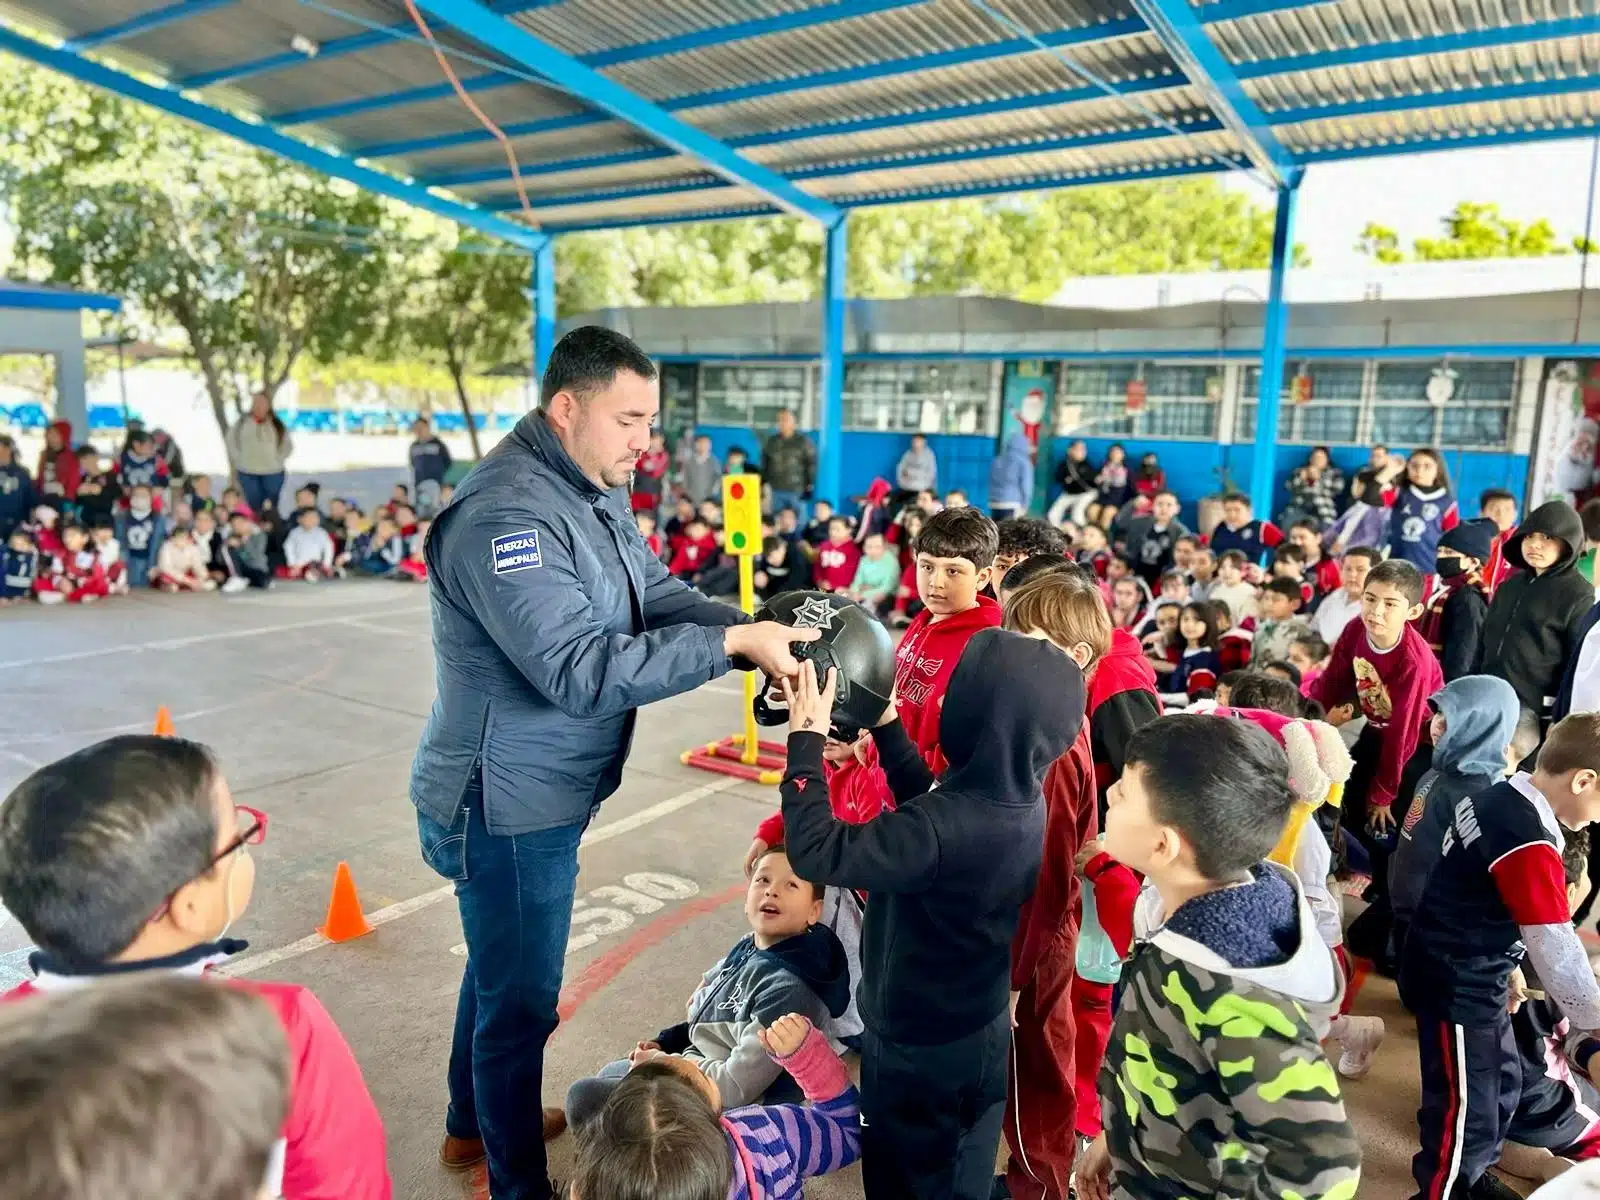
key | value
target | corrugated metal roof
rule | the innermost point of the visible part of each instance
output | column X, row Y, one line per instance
column 862, row 100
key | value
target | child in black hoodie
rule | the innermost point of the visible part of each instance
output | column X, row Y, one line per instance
column 1531, row 628
column 948, row 871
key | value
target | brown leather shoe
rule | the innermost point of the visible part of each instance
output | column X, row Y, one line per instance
column 555, row 1123
column 460, row 1153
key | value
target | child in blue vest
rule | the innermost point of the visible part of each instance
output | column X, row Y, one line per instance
column 1423, row 510
column 1242, row 531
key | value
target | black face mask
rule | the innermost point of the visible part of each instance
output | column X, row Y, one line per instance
column 1451, row 567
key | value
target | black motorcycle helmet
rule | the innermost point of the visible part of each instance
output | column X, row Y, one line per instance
column 853, row 641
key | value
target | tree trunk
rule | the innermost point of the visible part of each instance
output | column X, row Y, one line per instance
column 459, row 380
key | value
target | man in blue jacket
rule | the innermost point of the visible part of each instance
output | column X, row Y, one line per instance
column 552, row 623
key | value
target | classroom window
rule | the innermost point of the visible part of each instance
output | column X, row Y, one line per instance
column 1180, row 400
column 752, row 394
column 1476, row 416
column 917, row 397
column 1333, row 416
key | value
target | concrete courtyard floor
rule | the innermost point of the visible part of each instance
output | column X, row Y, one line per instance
column 314, row 696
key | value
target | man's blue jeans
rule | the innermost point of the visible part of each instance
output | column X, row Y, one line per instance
column 794, row 500
column 515, row 896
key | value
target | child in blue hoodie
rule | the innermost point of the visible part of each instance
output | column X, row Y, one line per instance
column 1011, row 479
column 17, row 495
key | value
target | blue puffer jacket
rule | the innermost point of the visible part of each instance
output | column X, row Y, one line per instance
column 1011, row 475
column 552, row 622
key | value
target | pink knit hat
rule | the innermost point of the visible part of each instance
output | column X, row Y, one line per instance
column 1318, row 759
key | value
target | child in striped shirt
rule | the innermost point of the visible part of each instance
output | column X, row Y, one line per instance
column 662, row 1131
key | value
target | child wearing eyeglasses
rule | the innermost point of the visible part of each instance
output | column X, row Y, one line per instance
column 130, row 857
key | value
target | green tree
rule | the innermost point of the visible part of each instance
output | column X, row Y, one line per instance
column 469, row 311
column 254, row 260
column 1471, row 230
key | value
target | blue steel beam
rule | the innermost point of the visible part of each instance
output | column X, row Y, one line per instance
column 1080, row 141
column 336, row 48
column 263, row 136
column 1274, row 336
column 516, row 43
column 1485, row 350
column 544, row 307
column 1100, row 31
column 148, row 22
column 1174, row 22
column 830, row 423
column 1424, row 145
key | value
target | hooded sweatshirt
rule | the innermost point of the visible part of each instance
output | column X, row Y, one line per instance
column 1214, row 1082
column 1531, row 630
column 58, row 469
column 917, row 472
column 749, row 989
column 950, row 869
column 1011, row 475
column 1480, row 714
column 17, row 498
column 923, row 665
column 1122, row 700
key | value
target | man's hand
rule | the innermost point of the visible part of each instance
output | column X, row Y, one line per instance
column 765, row 645
column 1087, row 851
column 1516, row 991
column 784, row 1036
column 757, row 849
column 1094, row 1171
column 1379, row 819
column 810, row 705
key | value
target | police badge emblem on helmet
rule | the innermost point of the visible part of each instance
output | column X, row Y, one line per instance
column 853, row 642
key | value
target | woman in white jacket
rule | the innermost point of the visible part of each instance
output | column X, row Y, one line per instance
column 260, row 446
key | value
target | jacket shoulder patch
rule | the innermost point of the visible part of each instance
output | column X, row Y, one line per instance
column 516, row 552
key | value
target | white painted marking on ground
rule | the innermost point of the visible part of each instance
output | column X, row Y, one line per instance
column 592, row 924
column 195, row 640
column 252, row 963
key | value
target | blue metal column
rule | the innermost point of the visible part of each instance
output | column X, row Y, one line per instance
column 1264, row 457
column 544, row 306
column 830, row 424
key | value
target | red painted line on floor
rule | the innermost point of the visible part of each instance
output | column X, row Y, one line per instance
column 609, row 965
column 1360, row 968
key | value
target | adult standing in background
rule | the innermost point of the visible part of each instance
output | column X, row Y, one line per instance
column 259, row 445
column 1011, row 479
column 789, row 466
column 917, row 471
column 430, row 464
column 552, row 623
column 701, row 476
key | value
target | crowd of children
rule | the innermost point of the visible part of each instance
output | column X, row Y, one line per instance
column 105, row 528
column 1043, row 904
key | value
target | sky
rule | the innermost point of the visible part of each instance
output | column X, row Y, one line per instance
column 1411, row 193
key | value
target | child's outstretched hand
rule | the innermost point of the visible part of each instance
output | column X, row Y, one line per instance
column 783, row 1037
column 810, row 703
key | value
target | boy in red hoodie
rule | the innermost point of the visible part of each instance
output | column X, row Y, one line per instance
column 131, row 857
column 693, row 550
column 837, row 558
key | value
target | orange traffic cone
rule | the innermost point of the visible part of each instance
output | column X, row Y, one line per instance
column 164, row 723
column 345, row 920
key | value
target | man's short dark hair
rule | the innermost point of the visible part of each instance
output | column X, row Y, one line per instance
column 1223, row 785
column 1491, row 495
column 1284, row 587
column 1029, row 536
column 960, row 533
column 1400, row 575
column 1036, row 565
column 590, row 358
column 92, row 845
column 1373, row 557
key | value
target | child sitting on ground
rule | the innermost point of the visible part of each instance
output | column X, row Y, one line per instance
column 1241, row 530
column 1219, row 932
column 1278, row 625
column 787, row 963
column 140, row 531
column 877, row 576
column 156, row 1089
column 385, row 550
column 19, row 567
column 1497, row 888
column 663, row 1117
column 247, row 549
column 1321, row 571
column 693, row 550
column 1195, row 676
column 1308, row 654
column 130, row 857
column 1232, row 589
column 182, row 565
column 414, row 566
column 947, row 877
column 74, row 574
column 837, row 558
column 308, row 550
column 1018, row 538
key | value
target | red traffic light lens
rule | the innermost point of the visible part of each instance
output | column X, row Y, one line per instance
column 736, row 490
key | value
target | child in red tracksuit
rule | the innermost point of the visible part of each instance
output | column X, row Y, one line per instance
column 1043, row 1099
column 837, row 558
column 693, row 550
column 111, row 878
column 74, row 574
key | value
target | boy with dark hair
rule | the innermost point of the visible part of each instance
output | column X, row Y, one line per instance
column 1151, row 539
column 99, row 494
column 1497, row 890
column 1531, row 628
column 1452, row 625
column 1499, row 506
column 131, row 857
column 140, row 465
column 1018, row 538
column 169, row 1089
column 1339, row 608
column 140, row 530
column 837, row 558
column 1381, row 667
column 947, row 873
column 783, row 567
column 1241, row 530
column 1279, row 626
column 1321, row 571
column 1289, row 562
column 1199, row 1102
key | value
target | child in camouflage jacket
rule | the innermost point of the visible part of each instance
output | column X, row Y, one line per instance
column 1214, row 1082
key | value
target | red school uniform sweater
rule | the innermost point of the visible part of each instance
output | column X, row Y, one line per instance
column 836, row 565
column 1122, row 700
column 1049, row 919
column 1392, row 689
column 691, row 555
column 333, row 1140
